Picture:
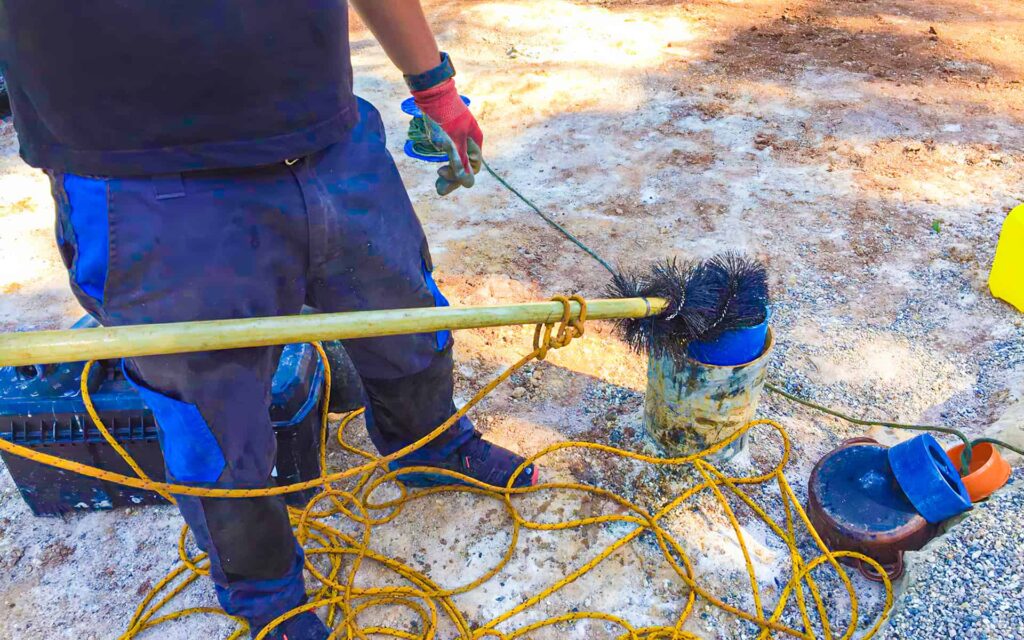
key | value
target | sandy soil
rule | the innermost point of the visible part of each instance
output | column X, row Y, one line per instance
column 868, row 150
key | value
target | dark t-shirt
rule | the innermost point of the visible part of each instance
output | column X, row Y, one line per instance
column 133, row 87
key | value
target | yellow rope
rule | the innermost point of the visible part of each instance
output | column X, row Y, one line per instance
column 344, row 554
column 84, row 387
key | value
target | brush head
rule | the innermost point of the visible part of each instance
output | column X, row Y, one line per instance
column 705, row 299
column 641, row 334
column 670, row 331
column 747, row 302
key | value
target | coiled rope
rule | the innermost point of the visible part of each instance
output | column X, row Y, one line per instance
column 335, row 558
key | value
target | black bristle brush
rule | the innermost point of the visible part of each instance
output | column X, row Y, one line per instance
column 748, row 300
column 670, row 331
column 705, row 299
column 641, row 334
column 731, row 291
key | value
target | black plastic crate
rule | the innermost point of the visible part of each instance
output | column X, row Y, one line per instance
column 41, row 408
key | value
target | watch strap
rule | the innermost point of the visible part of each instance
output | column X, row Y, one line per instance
column 432, row 77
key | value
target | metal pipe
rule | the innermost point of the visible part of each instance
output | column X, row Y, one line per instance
column 73, row 345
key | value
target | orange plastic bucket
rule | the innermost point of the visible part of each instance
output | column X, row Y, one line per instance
column 989, row 470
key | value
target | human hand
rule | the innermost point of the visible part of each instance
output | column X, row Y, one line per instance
column 460, row 135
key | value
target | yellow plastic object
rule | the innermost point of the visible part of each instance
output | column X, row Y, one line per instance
column 1007, row 279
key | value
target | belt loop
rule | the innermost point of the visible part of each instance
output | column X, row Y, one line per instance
column 168, row 185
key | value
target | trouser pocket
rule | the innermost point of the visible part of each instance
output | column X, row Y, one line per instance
column 83, row 232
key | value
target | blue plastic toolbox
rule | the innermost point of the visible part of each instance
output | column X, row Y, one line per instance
column 41, row 408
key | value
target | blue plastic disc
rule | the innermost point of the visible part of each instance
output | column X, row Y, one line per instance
column 855, row 487
column 410, row 150
column 410, row 108
column 929, row 479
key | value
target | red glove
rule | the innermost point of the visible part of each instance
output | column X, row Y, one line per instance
column 464, row 142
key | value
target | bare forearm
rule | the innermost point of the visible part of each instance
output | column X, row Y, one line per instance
column 403, row 32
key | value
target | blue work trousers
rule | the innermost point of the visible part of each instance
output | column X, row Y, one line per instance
column 334, row 230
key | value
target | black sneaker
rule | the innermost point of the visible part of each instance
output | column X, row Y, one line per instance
column 305, row 626
column 477, row 458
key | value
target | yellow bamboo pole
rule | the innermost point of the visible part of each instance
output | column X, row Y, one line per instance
column 73, row 345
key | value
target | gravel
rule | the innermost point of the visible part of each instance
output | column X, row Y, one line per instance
column 967, row 584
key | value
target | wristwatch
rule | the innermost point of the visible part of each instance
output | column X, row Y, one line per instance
column 433, row 77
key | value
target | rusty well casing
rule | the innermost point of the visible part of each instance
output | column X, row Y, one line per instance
column 691, row 406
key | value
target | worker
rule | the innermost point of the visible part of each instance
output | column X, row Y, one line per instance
column 209, row 160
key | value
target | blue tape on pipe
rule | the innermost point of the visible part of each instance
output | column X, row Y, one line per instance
column 929, row 479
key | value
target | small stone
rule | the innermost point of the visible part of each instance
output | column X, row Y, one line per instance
column 519, row 392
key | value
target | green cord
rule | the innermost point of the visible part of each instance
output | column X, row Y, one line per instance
column 422, row 144
column 999, row 443
column 965, row 457
column 868, row 423
column 565, row 232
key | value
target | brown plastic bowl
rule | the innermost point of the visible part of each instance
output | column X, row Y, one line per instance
column 989, row 470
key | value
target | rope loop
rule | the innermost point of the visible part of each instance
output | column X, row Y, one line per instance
column 569, row 328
